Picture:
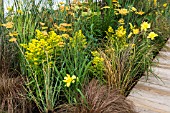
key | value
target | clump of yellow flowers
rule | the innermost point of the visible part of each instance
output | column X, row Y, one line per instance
column 79, row 40
column 44, row 44
column 97, row 67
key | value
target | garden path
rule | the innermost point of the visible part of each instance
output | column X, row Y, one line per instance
column 152, row 94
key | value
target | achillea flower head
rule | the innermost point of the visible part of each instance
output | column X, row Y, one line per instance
column 110, row 29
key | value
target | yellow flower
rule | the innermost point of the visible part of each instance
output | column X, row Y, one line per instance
column 12, row 40
column 145, row 26
column 133, row 45
column 115, row 1
column 13, row 34
column 110, row 29
column 65, row 25
column 95, row 53
column 42, row 24
column 68, row 80
column 8, row 25
column 120, row 32
column 65, row 36
column 155, row 2
column 105, row 7
column 61, row 3
column 140, row 13
column 121, row 21
column 133, row 9
column 165, row 5
column 131, row 26
column 130, row 34
column 123, row 11
column 97, row 60
column 9, row 8
column 152, row 35
column 44, row 28
column 135, row 31
column 20, row 11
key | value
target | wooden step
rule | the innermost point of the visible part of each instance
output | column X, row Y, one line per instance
column 146, row 106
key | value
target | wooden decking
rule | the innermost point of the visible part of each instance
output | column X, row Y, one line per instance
column 153, row 95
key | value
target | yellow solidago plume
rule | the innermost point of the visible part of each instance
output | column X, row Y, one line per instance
column 152, row 35
column 68, row 80
column 44, row 43
column 121, row 32
column 110, row 29
column 78, row 40
column 145, row 26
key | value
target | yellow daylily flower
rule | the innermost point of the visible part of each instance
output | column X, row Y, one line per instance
column 12, row 40
column 135, row 31
column 145, row 26
column 8, row 25
column 123, row 11
column 152, row 35
column 13, row 34
column 68, row 80
column 140, row 13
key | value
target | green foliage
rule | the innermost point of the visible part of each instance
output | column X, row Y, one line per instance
column 59, row 51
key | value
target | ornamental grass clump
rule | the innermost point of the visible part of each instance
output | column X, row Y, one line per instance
column 13, row 95
column 127, row 56
column 99, row 99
